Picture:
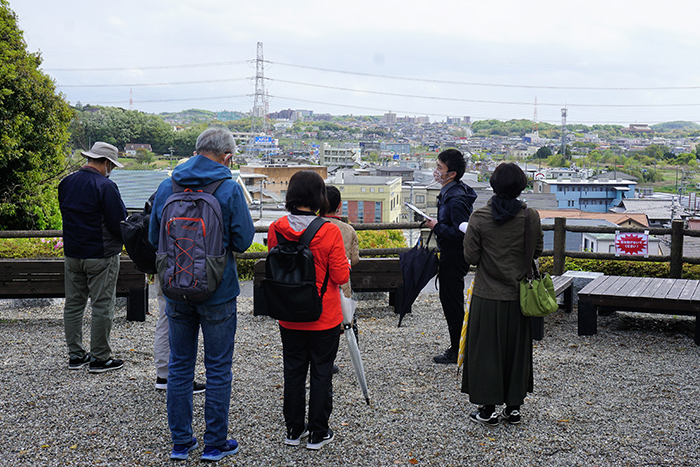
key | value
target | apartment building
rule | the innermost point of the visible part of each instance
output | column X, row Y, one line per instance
column 368, row 199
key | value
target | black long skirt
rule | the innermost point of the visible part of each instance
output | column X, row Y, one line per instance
column 498, row 359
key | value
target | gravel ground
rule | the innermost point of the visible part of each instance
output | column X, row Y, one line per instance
column 623, row 397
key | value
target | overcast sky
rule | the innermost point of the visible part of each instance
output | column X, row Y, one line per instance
column 612, row 61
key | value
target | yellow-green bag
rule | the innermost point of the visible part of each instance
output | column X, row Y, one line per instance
column 537, row 296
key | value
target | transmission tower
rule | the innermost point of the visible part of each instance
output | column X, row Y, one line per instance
column 535, row 126
column 259, row 120
column 563, row 132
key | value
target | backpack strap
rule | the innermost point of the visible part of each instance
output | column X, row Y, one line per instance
column 306, row 238
column 211, row 188
column 311, row 230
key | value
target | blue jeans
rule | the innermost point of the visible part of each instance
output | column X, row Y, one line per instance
column 218, row 323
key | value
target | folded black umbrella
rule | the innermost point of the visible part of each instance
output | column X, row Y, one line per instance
column 418, row 266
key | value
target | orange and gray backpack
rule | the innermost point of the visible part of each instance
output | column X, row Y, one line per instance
column 191, row 256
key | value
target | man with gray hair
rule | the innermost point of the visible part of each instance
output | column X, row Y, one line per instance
column 92, row 209
column 217, row 315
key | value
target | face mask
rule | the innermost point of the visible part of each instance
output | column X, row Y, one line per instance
column 438, row 176
column 108, row 169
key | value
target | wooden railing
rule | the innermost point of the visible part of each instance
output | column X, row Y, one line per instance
column 675, row 258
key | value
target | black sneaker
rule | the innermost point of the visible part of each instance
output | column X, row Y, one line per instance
column 513, row 417
column 197, row 388
column 182, row 451
column 335, row 369
column 447, row 358
column 294, row 437
column 161, row 384
column 97, row 366
column 316, row 441
column 76, row 363
column 480, row 416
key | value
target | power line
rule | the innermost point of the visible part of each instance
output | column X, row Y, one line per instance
column 150, row 101
column 412, row 96
column 154, row 67
column 466, row 83
column 431, row 114
column 174, row 83
column 478, row 101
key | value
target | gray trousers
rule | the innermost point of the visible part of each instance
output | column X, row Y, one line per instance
column 95, row 278
column 161, row 345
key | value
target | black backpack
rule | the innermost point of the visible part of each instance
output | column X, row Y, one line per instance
column 134, row 231
column 289, row 290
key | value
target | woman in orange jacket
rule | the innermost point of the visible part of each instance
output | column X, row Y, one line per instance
column 311, row 344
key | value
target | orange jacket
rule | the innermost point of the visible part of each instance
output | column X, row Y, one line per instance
column 329, row 254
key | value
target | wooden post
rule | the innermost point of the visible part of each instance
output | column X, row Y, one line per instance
column 137, row 304
column 676, row 271
column 587, row 318
column 559, row 246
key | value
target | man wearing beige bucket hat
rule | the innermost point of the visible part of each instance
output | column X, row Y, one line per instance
column 92, row 209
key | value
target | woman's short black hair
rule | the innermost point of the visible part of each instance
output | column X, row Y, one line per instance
column 333, row 197
column 508, row 180
column 454, row 160
column 306, row 188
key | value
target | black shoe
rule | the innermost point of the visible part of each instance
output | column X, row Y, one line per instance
column 335, row 369
column 294, row 437
column 512, row 417
column 480, row 416
column 97, row 366
column 161, row 384
column 448, row 357
column 317, row 441
column 76, row 363
column 197, row 388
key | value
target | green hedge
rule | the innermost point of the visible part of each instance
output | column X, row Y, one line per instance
column 621, row 268
column 245, row 266
column 31, row 248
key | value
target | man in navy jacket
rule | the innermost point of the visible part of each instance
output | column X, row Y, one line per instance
column 92, row 210
column 455, row 205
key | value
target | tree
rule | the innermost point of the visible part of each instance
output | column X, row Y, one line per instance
column 145, row 157
column 543, row 153
column 118, row 126
column 34, row 122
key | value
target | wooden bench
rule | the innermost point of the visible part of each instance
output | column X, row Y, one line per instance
column 45, row 278
column 562, row 285
column 640, row 294
column 369, row 275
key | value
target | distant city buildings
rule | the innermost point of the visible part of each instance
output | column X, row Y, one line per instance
column 369, row 199
column 591, row 196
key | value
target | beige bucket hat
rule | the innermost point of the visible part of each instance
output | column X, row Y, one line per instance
column 100, row 150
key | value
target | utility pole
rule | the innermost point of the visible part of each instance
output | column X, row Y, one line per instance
column 261, row 197
column 171, row 157
column 563, row 132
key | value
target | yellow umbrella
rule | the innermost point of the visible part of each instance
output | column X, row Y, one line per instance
column 463, row 338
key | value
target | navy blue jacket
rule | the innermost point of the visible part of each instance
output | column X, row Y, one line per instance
column 455, row 205
column 238, row 225
column 92, row 209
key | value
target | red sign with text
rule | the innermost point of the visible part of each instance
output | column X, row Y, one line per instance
column 632, row 244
